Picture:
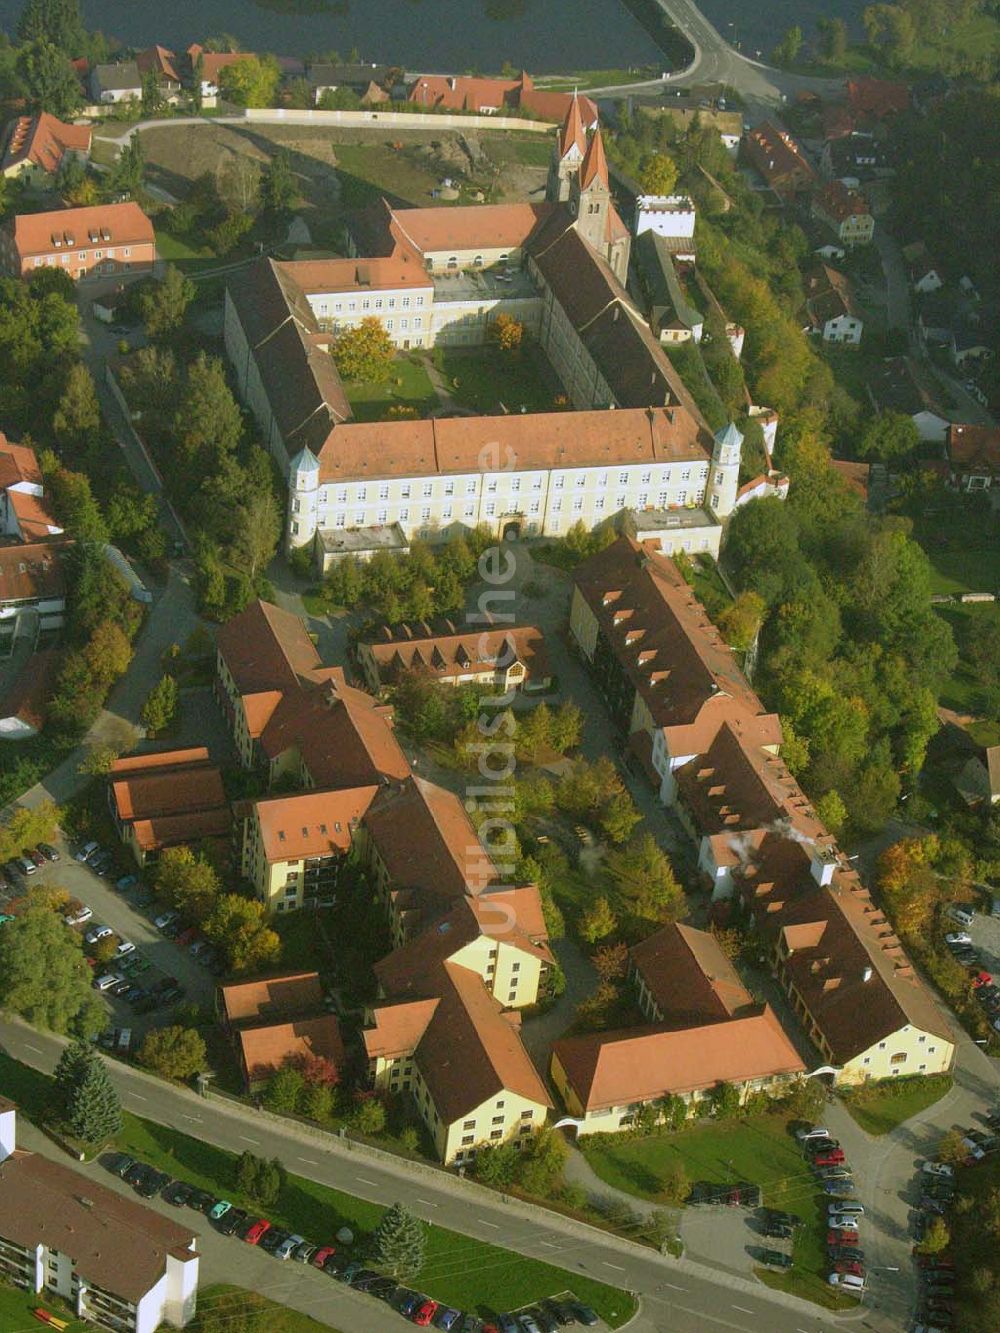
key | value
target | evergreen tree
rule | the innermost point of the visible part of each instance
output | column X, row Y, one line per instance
column 69, row 1072
column 55, row 21
column 399, row 1242
column 95, row 1110
column 125, row 176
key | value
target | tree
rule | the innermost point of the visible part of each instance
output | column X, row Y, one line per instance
column 74, row 503
column 831, row 811
column 174, row 1052
column 399, row 1243
column 284, row 1089
column 365, row 352
column 278, row 185
column 370, row 1117
column 49, row 80
column 209, row 423
column 619, row 817
column 94, row 1109
column 658, row 174
column 43, row 976
column 238, row 180
column 251, row 81
column 126, row 174
column 496, row 1164
column 740, row 622
column 725, row 1098
column 952, row 1149
column 257, row 535
column 160, row 707
column 833, row 39
column 68, row 1074
column 598, row 921
column 787, row 50
column 238, row 927
column 163, row 304
column 259, row 1179
column 674, row 1183
column 55, row 21
column 937, row 1237
column 78, row 417
column 339, row 99
column 152, row 97
column 645, row 882
column 507, row 333
column 317, row 1102
column 888, row 437
column 611, row 962
column 543, row 1158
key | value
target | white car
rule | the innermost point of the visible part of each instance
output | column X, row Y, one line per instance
column 847, row 1282
column 960, row 914
column 975, row 1150
column 958, row 937
column 847, row 1208
column 107, row 981
column 842, row 1221
column 78, row 916
column 937, row 1169
column 804, row 1135
column 287, row 1247
column 167, row 919
column 124, row 947
column 98, row 933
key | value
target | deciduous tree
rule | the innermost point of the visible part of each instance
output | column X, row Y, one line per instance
column 252, row 81
column 162, row 304
column 238, row 927
column 364, row 353
column 160, row 707
column 598, row 921
column 507, row 333
column 174, row 1052
column 43, row 976
column 658, row 174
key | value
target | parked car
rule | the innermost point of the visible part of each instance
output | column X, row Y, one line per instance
column 832, row 1158
column 937, row 1168
column 583, row 1314
column 120, row 1164
column 776, row 1259
column 78, row 915
column 107, row 981
column 322, row 1254
column 961, row 913
column 200, row 1200
column 958, row 937
column 48, row 851
column 847, row 1209
column 177, row 1192
column 527, row 1321
column 87, row 850
column 288, row 1246
column 839, row 1189
column 409, row 1301
column 97, row 933
column 232, row 1221
column 383, row 1288
column 849, row 1282
column 842, row 1236
column 164, row 919
column 778, row 1231
column 256, row 1232
column 275, row 1236
column 785, row 1219
column 218, row 1210
column 424, row 1313
column 305, row 1252
column 817, row 1147
column 848, row 1253
column 842, row 1221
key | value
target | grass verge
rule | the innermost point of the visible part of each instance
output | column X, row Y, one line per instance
column 221, row 1297
column 458, row 1270
column 16, row 1310
column 882, row 1107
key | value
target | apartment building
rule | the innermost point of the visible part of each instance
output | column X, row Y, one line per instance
column 95, row 242
column 119, row 1264
column 761, row 846
column 276, row 1021
column 504, row 659
column 168, row 798
column 32, row 588
column 38, row 146
column 24, row 514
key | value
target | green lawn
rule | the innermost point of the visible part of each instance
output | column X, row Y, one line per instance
column 406, row 385
column 878, row 1111
column 482, row 378
column 221, row 1297
column 458, row 1270
column 16, row 1307
column 761, row 1150
column 975, row 570
column 169, row 246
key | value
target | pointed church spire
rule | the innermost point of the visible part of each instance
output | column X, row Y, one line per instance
column 572, row 131
column 595, row 164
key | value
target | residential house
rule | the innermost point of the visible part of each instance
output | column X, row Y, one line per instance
column 846, row 212
column 670, row 216
column 93, row 242
column 38, row 146
column 898, row 387
column 117, row 1263
column 504, row 97
column 779, row 160
column 669, row 681
column 874, row 101
column 24, row 514
column 978, row 781
column 263, row 1051
column 445, row 1033
column 502, row 659
column 973, row 455
column 162, row 65
column 120, row 82
column 765, row 485
column 562, row 263
column 925, row 274
column 671, row 315
column 268, row 999
column 830, row 308
column 855, row 158
column 24, row 707
column 970, row 343
column 206, row 67
column 32, row 589
column 292, row 848
column 372, row 83
column 167, row 798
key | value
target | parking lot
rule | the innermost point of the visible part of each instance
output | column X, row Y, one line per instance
column 130, row 916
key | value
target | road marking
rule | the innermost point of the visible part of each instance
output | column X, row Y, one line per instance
column 365, row 1181
column 311, row 1161
column 618, row 1266
column 427, row 1203
column 673, row 1286
column 743, row 1309
column 712, row 1319
column 550, row 1244
column 32, row 1048
column 484, row 1223
column 246, row 1140
column 137, row 1095
column 191, row 1117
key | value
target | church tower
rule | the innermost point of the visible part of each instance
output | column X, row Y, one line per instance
column 724, row 476
column 596, row 218
column 568, row 153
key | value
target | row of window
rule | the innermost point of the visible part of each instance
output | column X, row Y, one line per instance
column 514, row 484
column 370, row 303
column 82, row 256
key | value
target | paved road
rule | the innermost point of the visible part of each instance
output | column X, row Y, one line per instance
column 677, row 1296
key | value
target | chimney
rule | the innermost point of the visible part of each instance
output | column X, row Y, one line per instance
column 8, row 1129
column 822, row 864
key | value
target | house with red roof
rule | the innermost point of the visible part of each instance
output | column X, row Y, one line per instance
column 93, row 242
column 37, row 146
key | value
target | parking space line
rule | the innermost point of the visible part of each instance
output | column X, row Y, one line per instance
column 427, row 1203
column 32, row 1048
column 137, row 1095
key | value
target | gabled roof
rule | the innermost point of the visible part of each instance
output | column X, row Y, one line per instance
column 32, row 570
column 829, row 295
column 974, row 448
column 877, row 98
column 124, row 76
column 342, row 735
column 266, row 1049
column 689, row 977
column 838, row 202
column 266, row 648
column 158, row 60
column 640, row 1064
column 897, row 387
column 115, row 224
column 292, row 994
column 43, row 140
column 174, row 782
column 475, row 651
column 312, row 823
column 777, row 156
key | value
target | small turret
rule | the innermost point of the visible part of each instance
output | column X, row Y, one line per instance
column 304, row 518
column 724, row 475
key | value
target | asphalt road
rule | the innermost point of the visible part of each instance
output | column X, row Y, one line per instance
column 677, row 1296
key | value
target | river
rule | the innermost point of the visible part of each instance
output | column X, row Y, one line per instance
column 541, row 35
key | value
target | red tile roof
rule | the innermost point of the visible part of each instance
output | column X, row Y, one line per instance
column 689, row 976
column 285, row 996
column 573, row 132
column 32, row 571
column 175, row 785
column 313, row 823
column 43, row 140
column 974, row 448
column 595, row 164
column 266, row 1049
column 28, row 697
column 877, row 98
column 266, row 649
column 124, row 224
column 641, row 1064
column 476, row 651
column 18, row 463
column 488, row 226
column 835, row 200
column 778, row 158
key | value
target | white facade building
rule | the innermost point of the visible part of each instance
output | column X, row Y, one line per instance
column 671, row 216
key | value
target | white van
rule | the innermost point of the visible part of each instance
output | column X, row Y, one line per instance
column 849, row 1282
column 960, row 914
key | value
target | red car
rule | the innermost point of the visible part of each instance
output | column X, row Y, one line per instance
column 321, row 1255
column 187, row 936
column 425, row 1313
column 841, row 1238
column 257, row 1231
column 849, row 1266
column 833, row 1158
column 935, row 1261
column 982, row 979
